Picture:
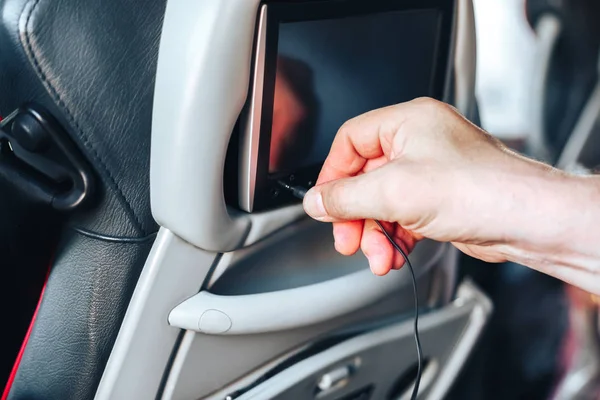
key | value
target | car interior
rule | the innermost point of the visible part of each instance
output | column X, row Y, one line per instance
column 148, row 246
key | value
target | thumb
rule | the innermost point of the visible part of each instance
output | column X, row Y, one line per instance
column 365, row 196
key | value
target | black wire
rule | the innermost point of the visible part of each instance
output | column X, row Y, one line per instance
column 416, row 330
column 299, row 192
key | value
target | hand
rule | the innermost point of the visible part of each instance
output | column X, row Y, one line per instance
column 430, row 173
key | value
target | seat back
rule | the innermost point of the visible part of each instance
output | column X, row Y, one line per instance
column 92, row 67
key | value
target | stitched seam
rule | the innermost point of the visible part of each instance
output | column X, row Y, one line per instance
column 114, row 239
column 86, row 142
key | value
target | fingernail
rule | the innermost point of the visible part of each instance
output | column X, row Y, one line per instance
column 313, row 204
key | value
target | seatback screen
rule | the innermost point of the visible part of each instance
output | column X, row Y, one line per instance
column 331, row 70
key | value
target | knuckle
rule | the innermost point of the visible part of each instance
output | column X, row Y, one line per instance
column 426, row 102
column 346, row 127
column 432, row 107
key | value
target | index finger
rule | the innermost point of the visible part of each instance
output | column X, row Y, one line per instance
column 356, row 142
column 368, row 136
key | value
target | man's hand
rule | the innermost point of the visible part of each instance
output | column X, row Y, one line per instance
column 429, row 172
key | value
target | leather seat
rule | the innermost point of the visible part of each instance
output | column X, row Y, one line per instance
column 92, row 67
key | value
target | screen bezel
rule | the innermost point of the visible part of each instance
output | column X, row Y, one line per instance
column 267, row 192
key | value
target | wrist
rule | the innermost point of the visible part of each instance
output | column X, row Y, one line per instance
column 559, row 228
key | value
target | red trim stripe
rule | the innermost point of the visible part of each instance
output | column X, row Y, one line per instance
column 15, row 368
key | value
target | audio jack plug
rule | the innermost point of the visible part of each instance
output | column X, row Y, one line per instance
column 297, row 191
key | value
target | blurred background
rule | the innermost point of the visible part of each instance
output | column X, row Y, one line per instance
column 505, row 65
column 537, row 78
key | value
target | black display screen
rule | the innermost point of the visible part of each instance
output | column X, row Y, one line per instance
column 326, row 62
column 331, row 70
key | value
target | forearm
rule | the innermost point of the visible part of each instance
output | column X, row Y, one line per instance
column 562, row 232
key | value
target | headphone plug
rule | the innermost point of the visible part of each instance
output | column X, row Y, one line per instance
column 296, row 191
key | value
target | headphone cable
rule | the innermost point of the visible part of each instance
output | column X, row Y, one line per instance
column 415, row 391
column 300, row 192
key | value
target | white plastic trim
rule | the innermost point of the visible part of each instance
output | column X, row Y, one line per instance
column 289, row 309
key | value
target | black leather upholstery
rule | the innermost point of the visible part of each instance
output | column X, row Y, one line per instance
column 80, row 318
column 92, row 65
column 26, row 218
